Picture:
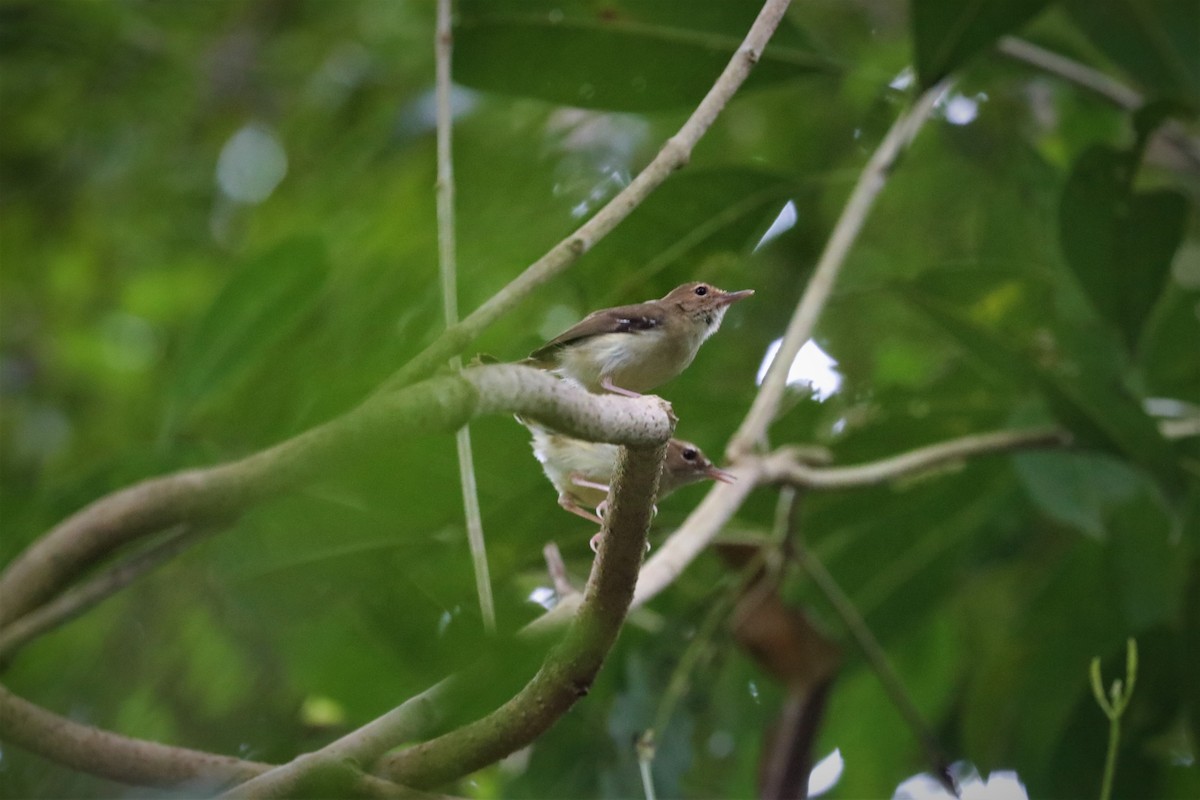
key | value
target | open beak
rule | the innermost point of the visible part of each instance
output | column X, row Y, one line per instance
column 720, row 475
column 729, row 298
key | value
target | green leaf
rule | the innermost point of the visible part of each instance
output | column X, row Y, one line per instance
column 947, row 33
column 1098, row 411
column 1078, row 489
column 1155, row 41
column 264, row 301
column 714, row 209
column 1148, row 563
column 1103, row 414
column 621, row 56
column 1119, row 244
column 1057, row 614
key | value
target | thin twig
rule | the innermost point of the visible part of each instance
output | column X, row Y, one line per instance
column 877, row 658
column 783, row 467
column 1101, row 84
column 96, row 589
column 407, row 722
column 557, row 569
column 448, row 267
column 753, row 431
column 1070, row 70
column 677, row 684
column 674, row 154
column 787, row 466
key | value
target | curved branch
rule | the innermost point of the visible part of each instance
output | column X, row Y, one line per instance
column 573, row 662
column 786, row 465
column 96, row 589
column 223, row 491
column 1105, row 86
column 783, row 466
column 753, row 430
column 216, row 494
column 674, row 154
column 645, row 423
column 1070, row 70
column 142, row 763
column 110, row 755
column 408, row 721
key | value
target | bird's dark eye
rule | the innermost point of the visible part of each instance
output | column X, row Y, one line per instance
column 701, row 290
column 689, row 454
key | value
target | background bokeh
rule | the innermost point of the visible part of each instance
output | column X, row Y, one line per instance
column 217, row 229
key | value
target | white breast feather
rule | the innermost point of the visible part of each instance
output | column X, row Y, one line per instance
column 562, row 457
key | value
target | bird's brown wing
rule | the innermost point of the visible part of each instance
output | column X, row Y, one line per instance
column 622, row 319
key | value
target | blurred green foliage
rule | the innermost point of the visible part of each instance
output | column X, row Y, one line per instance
column 176, row 295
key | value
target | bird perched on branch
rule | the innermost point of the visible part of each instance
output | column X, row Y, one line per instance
column 581, row 471
column 633, row 349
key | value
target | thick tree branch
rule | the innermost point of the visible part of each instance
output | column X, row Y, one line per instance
column 753, row 431
column 219, row 493
column 674, row 154
column 573, row 662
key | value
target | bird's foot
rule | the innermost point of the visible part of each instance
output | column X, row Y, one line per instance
column 607, row 384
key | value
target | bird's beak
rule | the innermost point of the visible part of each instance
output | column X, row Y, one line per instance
column 729, row 298
column 720, row 475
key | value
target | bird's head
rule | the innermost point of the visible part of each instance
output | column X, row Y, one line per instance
column 703, row 302
column 686, row 463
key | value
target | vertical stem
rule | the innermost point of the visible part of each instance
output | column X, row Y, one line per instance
column 877, row 658
column 1113, row 705
column 1110, row 759
column 645, row 760
column 448, row 267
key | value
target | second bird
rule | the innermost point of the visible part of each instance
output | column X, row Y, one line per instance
column 633, row 349
column 581, row 471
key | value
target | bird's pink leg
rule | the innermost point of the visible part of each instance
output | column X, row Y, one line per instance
column 570, row 505
column 606, row 383
column 579, row 480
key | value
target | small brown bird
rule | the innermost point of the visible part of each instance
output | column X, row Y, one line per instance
column 633, row 349
column 581, row 471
